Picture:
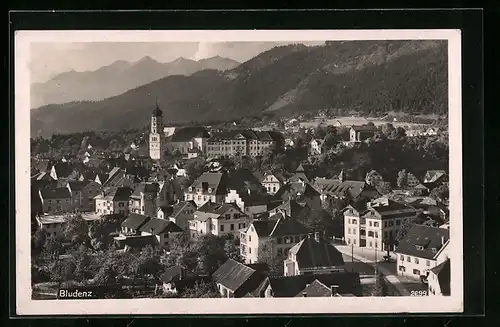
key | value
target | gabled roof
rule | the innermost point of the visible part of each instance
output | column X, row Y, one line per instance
column 134, row 221
column 294, row 189
column 77, row 185
column 145, row 188
column 158, row 226
column 316, row 289
column 213, row 210
column 291, row 286
column 237, row 277
column 311, row 253
column 292, row 208
column 186, row 134
column 175, row 273
column 55, row 193
column 432, row 176
column 427, row 238
column 43, row 166
column 63, row 169
column 287, row 226
column 442, row 271
column 390, row 209
column 279, row 175
column 216, row 181
column 263, row 227
column 115, row 194
column 336, row 188
column 181, row 206
column 137, row 241
column 364, row 128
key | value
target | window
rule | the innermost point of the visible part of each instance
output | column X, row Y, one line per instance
column 385, row 223
column 354, row 221
column 371, row 244
column 419, row 247
column 398, row 222
column 279, row 240
column 221, row 228
column 250, row 250
column 408, row 258
column 250, row 238
column 297, row 239
column 376, row 245
column 370, row 233
column 416, row 272
column 376, row 234
column 348, row 231
column 348, row 241
column 280, row 251
column 370, row 223
column 228, row 216
column 121, row 204
column 232, row 226
column 416, row 260
column 375, row 224
column 354, row 232
column 354, row 241
column 428, row 263
column 402, row 268
column 402, row 257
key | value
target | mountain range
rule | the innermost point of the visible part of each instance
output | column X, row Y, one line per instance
column 367, row 76
column 117, row 78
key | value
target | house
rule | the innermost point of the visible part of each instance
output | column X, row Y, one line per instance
column 180, row 171
column 180, row 213
column 438, row 281
column 435, row 178
column 410, row 180
column 60, row 170
column 303, row 172
column 169, row 131
column 83, row 193
column 292, row 208
column 249, row 202
column 431, row 131
column 347, row 190
column 100, row 178
column 161, row 229
column 42, row 179
column 243, row 143
column 144, row 199
column 235, row 280
column 218, row 219
column 132, row 224
column 339, row 284
column 210, row 186
column 56, row 200
column 188, row 138
column 42, row 166
column 422, row 249
column 302, row 191
column 361, row 133
column 113, row 200
column 54, row 224
column 272, row 237
column 134, row 243
column 313, row 255
column 273, row 181
column 316, row 147
column 172, row 277
column 377, row 226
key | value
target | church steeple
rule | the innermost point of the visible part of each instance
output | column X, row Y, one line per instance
column 156, row 141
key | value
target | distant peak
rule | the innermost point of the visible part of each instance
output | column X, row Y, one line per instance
column 147, row 59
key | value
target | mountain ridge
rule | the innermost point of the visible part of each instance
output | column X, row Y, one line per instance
column 369, row 76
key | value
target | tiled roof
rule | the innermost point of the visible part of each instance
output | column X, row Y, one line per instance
column 316, row 289
column 145, row 188
column 158, row 226
column 175, row 273
column 237, row 277
column 244, row 179
column 291, row 286
column 263, row 227
column 181, row 206
column 332, row 187
column 43, row 166
column 138, row 241
column 231, row 135
column 425, row 237
column 287, row 226
column 77, row 185
column 311, row 253
column 63, row 169
column 186, row 134
column 215, row 209
column 442, row 271
column 293, row 209
column 55, row 193
column 217, row 182
column 134, row 221
column 393, row 209
column 115, row 194
column 293, row 189
column 432, row 176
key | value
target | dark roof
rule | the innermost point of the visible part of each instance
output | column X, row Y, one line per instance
column 115, row 194
column 175, row 273
column 425, row 237
column 263, row 227
column 293, row 209
column 393, row 209
column 186, row 134
column 243, row 179
column 43, row 166
column 63, row 169
column 181, row 206
column 237, row 277
column 291, row 286
column 294, row 189
column 138, row 241
column 217, row 208
column 157, row 112
column 316, row 289
column 364, row 128
column 55, row 193
column 332, row 187
column 77, row 185
column 134, row 221
column 278, row 174
column 286, row 225
column 311, row 253
column 442, row 271
column 145, row 188
column 158, row 226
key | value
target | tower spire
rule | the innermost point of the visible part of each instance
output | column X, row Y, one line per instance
column 157, row 102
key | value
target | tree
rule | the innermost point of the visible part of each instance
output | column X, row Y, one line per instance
column 405, row 227
column 100, row 231
column 52, row 247
column 210, row 252
column 76, row 230
column 37, row 241
column 194, row 168
column 383, row 187
column 319, row 132
column 82, row 260
column 148, row 263
column 274, row 263
column 402, row 178
column 232, row 248
column 440, row 193
column 380, row 288
column 201, row 290
column 63, row 271
column 387, row 129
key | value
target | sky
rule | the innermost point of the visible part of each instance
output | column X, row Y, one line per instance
column 51, row 59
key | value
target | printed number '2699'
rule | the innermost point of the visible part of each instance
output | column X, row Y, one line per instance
column 418, row 293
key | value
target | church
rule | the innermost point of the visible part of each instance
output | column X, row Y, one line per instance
column 156, row 135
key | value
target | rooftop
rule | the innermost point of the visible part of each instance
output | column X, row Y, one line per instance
column 312, row 253
column 423, row 241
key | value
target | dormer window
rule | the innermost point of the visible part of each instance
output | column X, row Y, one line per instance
column 190, row 189
column 419, row 247
column 209, row 190
column 434, row 250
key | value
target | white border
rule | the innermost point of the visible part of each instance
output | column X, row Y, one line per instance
column 26, row 306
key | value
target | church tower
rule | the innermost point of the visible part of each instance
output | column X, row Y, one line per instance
column 156, row 137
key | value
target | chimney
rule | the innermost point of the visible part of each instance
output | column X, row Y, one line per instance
column 442, row 240
column 309, row 235
column 316, row 236
column 304, row 294
column 334, row 289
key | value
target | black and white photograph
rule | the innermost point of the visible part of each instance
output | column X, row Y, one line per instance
column 189, row 172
